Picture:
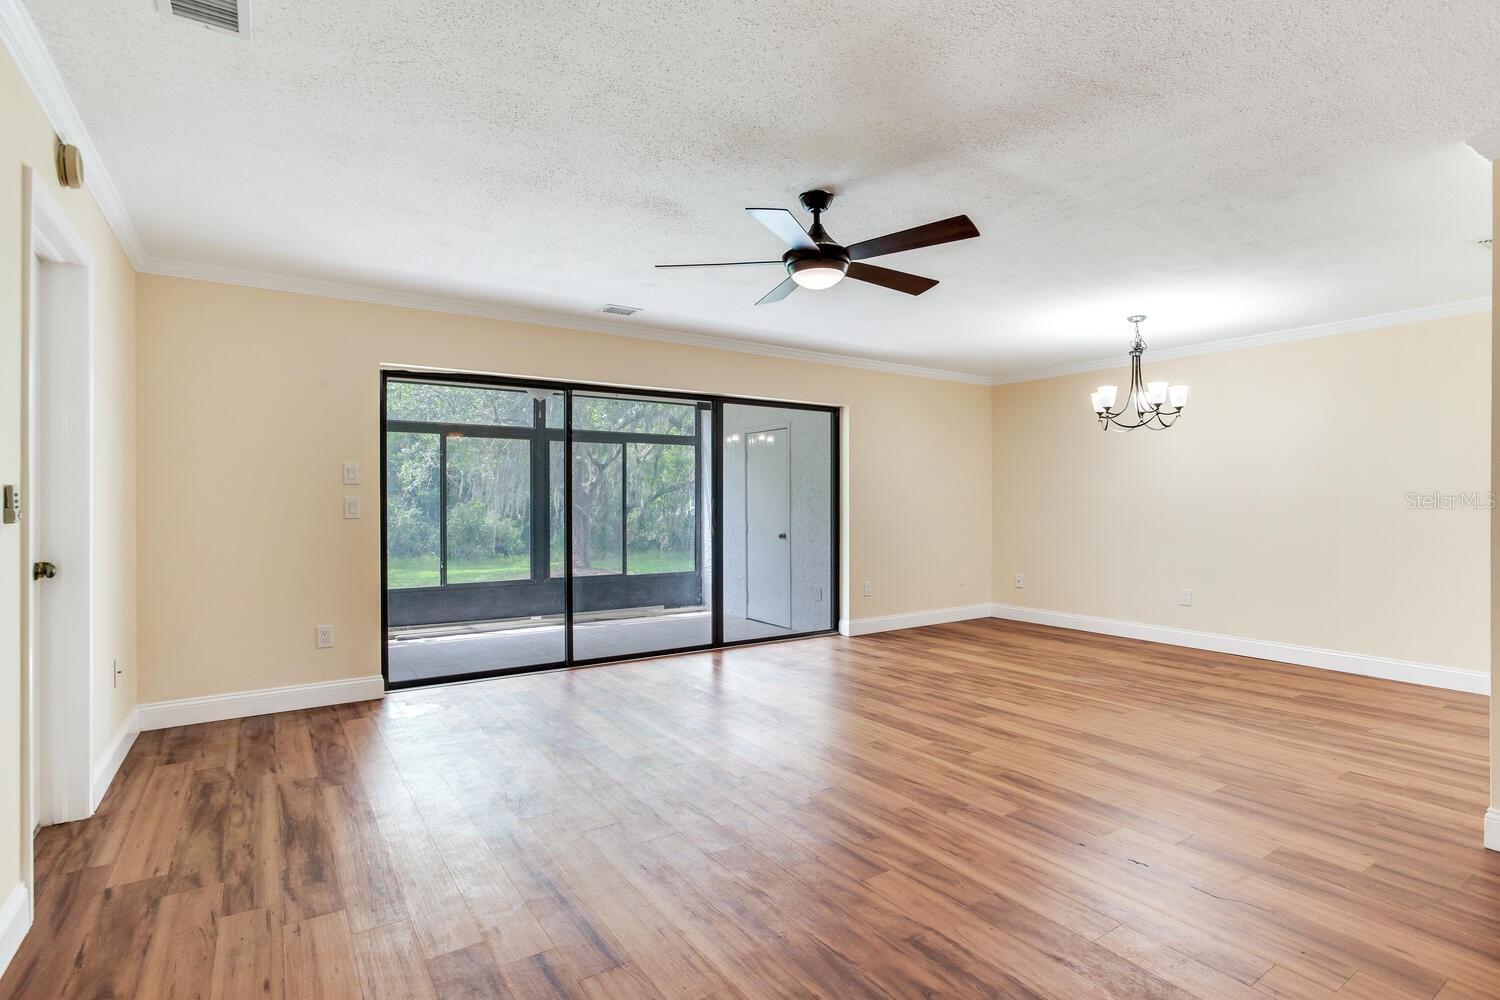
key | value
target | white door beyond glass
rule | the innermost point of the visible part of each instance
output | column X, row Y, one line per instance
column 768, row 524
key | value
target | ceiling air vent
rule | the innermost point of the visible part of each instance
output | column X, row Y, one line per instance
column 221, row 15
column 615, row 310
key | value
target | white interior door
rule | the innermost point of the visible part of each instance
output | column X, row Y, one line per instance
column 58, row 524
column 38, row 718
column 768, row 527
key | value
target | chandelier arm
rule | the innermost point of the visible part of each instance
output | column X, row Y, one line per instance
column 1129, row 427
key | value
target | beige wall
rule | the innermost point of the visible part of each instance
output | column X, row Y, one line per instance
column 251, row 399
column 26, row 140
column 1279, row 498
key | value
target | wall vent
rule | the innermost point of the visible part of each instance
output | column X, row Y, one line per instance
column 220, row 15
column 615, row 310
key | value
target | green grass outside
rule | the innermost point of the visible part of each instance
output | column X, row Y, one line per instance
column 422, row 571
column 661, row 561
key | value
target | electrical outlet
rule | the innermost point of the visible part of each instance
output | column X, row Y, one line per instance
column 1020, row 580
column 325, row 636
column 351, row 508
column 1185, row 598
column 869, row 589
column 351, row 473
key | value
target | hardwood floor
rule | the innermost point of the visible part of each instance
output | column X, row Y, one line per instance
column 978, row 809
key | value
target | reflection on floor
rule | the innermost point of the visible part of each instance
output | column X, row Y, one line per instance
column 476, row 652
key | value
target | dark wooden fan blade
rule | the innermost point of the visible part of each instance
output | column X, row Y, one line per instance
column 911, row 284
column 727, row 263
column 957, row 228
column 778, row 293
column 784, row 224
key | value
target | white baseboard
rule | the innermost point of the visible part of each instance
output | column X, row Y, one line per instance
column 1430, row 674
column 242, row 704
column 912, row 619
column 109, row 763
column 1492, row 828
column 15, row 921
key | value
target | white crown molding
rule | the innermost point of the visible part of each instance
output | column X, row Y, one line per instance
column 600, row 324
column 21, row 38
column 1487, row 145
column 1429, row 674
column 1467, row 307
column 534, row 317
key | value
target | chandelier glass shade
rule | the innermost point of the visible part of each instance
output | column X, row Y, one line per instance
column 1155, row 405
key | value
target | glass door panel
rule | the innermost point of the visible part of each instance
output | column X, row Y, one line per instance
column 470, row 501
column 641, row 577
column 778, row 521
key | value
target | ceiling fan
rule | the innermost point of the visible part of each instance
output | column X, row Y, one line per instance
column 815, row 261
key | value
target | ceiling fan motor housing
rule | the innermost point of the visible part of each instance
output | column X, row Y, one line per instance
column 829, row 254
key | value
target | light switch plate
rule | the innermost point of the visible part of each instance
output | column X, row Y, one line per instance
column 351, row 508
column 351, row 473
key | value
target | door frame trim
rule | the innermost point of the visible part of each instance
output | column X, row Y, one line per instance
column 48, row 234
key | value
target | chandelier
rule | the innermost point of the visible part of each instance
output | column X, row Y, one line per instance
column 1156, row 405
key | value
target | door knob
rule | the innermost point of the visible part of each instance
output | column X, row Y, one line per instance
column 781, row 534
column 43, row 570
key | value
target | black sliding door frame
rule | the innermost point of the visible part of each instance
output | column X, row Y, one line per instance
column 542, row 438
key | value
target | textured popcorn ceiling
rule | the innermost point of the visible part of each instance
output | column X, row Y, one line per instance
column 1227, row 168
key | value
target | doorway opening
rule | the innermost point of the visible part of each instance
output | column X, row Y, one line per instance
column 529, row 525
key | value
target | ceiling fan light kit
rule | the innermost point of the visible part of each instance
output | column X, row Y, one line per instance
column 1154, row 405
column 815, row 261
column 816, row 272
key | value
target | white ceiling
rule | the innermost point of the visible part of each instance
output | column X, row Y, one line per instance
column 1228, row 169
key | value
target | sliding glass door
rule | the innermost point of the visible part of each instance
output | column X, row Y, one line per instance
column 468, row 530
column 640, row 534
column 533, row 525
